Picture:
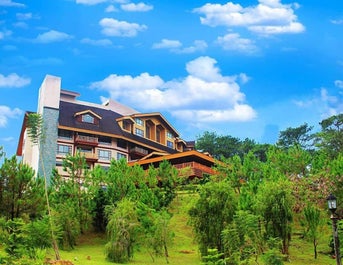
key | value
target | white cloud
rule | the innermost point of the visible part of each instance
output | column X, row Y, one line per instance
column 52, row 36
column 233, row 42
column 339, row 83
column 10, row 3
column 140, row 7
column 13, row 80
column 337, row 21
column 90, row 2
column 111, row 8
column 175, row 46
column 268, row 17
column 7, row 113
column 113, row 27
column 325, row 104
column 24, row 16
column 5, row 33
column 167, row 44
column 102, row 42
column 204, row 94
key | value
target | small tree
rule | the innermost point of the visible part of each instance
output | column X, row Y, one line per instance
column 122, row 229
column 312, row 222
column 211, row 213
column 274, row 202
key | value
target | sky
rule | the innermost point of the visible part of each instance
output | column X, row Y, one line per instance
column 243, row 68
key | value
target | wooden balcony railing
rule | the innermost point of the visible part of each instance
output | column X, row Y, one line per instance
column 197, row 169
column 90, row 156
column 139, row 151
column 86, row 140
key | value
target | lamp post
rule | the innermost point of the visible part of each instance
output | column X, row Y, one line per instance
column 332, row 204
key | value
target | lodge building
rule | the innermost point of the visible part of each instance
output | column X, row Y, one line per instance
column 102, row 132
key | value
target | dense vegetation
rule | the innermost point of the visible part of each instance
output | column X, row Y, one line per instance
column 245, row 214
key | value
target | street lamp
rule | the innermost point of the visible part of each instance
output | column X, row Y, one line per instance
column 332, row 204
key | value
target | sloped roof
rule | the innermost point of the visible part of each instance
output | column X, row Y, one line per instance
column 107, row 124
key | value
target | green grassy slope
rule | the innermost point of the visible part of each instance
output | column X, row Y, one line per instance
column 184, row 250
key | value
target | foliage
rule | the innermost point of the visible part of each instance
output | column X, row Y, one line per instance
column 211, row 212
column 122, row 231
column 299, row 136
column 243, row 238
column 71, row 200
column 274, row 202
column 167, row 176
column 20, row 193
column 312, row 223
column 330, row 139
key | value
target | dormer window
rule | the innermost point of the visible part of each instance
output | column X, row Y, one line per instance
column 87, row 118
column 139, row 121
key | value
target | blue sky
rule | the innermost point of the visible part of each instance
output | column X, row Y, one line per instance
column 245, row 68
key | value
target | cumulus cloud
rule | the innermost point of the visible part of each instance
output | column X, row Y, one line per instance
column 113, row 27
column 13, row 80
column 52, row 36
column 102, row 42
column 204, row 95
column 268, row 17
column 234, row 42
column 8, row 113
column 176, row 46
column 10, row 3
column 140, row 7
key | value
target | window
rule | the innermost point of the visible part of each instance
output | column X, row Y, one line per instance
column 139, row 121
column 158, row 135
column 170, row 144
column 63, row 149
column 105, row 140
column 104, row 155
column 139, row 132
column 127, row 125
column 64, row 134
column 147, row 131
column 87, row 118
column 170, row 135
column 121, row 143
column 85, row 149
column 121, row 156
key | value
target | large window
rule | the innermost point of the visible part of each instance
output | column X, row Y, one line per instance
column 139, row 121
column 63, row 149
column 139, row 132
column 121, row 156
column 87, row 118
column 104, row 155
column 64, row 134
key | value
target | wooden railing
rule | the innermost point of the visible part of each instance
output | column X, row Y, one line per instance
column 197, row 169
column 86, row 139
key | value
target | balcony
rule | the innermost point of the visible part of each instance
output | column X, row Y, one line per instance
column 90, row 157
column 196, row 169
column 86, row 140
column 138, row 151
